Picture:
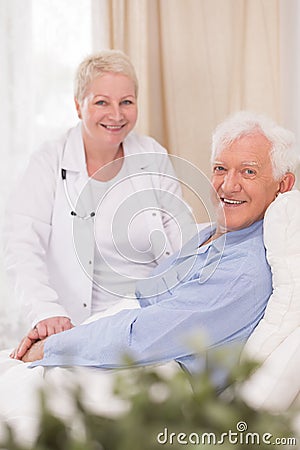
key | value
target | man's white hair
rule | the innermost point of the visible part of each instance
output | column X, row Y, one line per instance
column 284, row 155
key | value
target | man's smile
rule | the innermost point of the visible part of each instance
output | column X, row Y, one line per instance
column 229, row 201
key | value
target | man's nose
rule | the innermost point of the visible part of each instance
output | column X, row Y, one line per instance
column 231, row 182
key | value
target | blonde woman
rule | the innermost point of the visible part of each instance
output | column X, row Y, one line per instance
column 95, row 210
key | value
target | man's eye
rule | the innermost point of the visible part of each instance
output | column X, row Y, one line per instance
column 100, row 103
column 249, row 172
column 218, row 169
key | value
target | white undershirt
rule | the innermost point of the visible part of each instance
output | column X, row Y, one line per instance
column 122, row 251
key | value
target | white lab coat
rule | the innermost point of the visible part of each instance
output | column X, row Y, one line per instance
column 52, row 277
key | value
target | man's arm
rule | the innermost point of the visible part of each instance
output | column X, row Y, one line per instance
column 224, row 302
column 158, row 333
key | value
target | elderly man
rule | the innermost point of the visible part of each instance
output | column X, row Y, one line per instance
column 219, row 284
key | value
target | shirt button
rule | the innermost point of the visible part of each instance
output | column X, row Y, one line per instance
column 84, row 305
column 167, row 253
column 90, row 262
column 153, row 214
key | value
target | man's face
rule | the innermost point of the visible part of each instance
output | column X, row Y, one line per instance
column 244, row 183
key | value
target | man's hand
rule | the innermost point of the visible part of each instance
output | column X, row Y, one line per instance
column 25, row 344
column 35, row 352
column 44, row 328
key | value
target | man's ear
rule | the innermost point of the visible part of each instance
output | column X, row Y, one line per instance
column 78, row 108
column 287, row 182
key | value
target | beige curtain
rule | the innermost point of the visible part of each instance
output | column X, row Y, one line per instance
column 290, row 68
column 197, row 62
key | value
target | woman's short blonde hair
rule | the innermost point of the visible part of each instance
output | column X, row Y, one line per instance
column 114, row 61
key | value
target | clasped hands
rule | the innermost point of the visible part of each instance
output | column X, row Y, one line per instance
column 31, row 347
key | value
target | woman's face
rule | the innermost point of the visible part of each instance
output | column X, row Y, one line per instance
column 109, row 109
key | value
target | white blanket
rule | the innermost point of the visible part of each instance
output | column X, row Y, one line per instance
column 20, row 390
column 20, row 394
column 276, row 340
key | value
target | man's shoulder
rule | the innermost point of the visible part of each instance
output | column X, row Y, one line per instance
column 245, row 250
column 251, row 237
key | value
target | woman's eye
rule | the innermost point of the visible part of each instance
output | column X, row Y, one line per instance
column 100, row 102
column 127, row 102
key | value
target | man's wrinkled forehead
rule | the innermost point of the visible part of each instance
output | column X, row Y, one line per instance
column 251, row 148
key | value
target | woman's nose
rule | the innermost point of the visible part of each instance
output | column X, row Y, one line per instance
column 115, row 112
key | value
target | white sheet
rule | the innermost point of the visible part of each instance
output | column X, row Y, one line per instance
column 20, row 394
column 20, row 390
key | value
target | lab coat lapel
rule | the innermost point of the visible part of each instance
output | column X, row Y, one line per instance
column 74, row 162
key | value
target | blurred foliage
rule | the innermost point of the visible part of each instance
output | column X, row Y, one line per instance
column 162, row 403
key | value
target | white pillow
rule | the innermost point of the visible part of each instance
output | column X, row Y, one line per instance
column 276, row 340
column 282, row 241
column 276, row 384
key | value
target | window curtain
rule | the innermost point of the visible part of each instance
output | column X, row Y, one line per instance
column 16, row 109
column 290, row 67
column 16, row 106
column 197, row 61
column 290, row 64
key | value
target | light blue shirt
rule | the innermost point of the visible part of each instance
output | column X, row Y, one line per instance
column 219, row 290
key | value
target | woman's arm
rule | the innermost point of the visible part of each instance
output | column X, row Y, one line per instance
column 27, row 232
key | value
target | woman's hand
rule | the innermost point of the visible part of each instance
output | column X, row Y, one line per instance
column 43, row 329
column 53, row 325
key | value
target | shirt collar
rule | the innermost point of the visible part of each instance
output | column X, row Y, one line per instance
column 194, row 247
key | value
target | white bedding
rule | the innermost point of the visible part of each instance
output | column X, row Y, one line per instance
column 20, row 386
column 20, row 398
column 276, row 340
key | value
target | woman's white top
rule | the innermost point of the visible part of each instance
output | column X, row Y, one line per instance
column 123, row 251
column 50, row 254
